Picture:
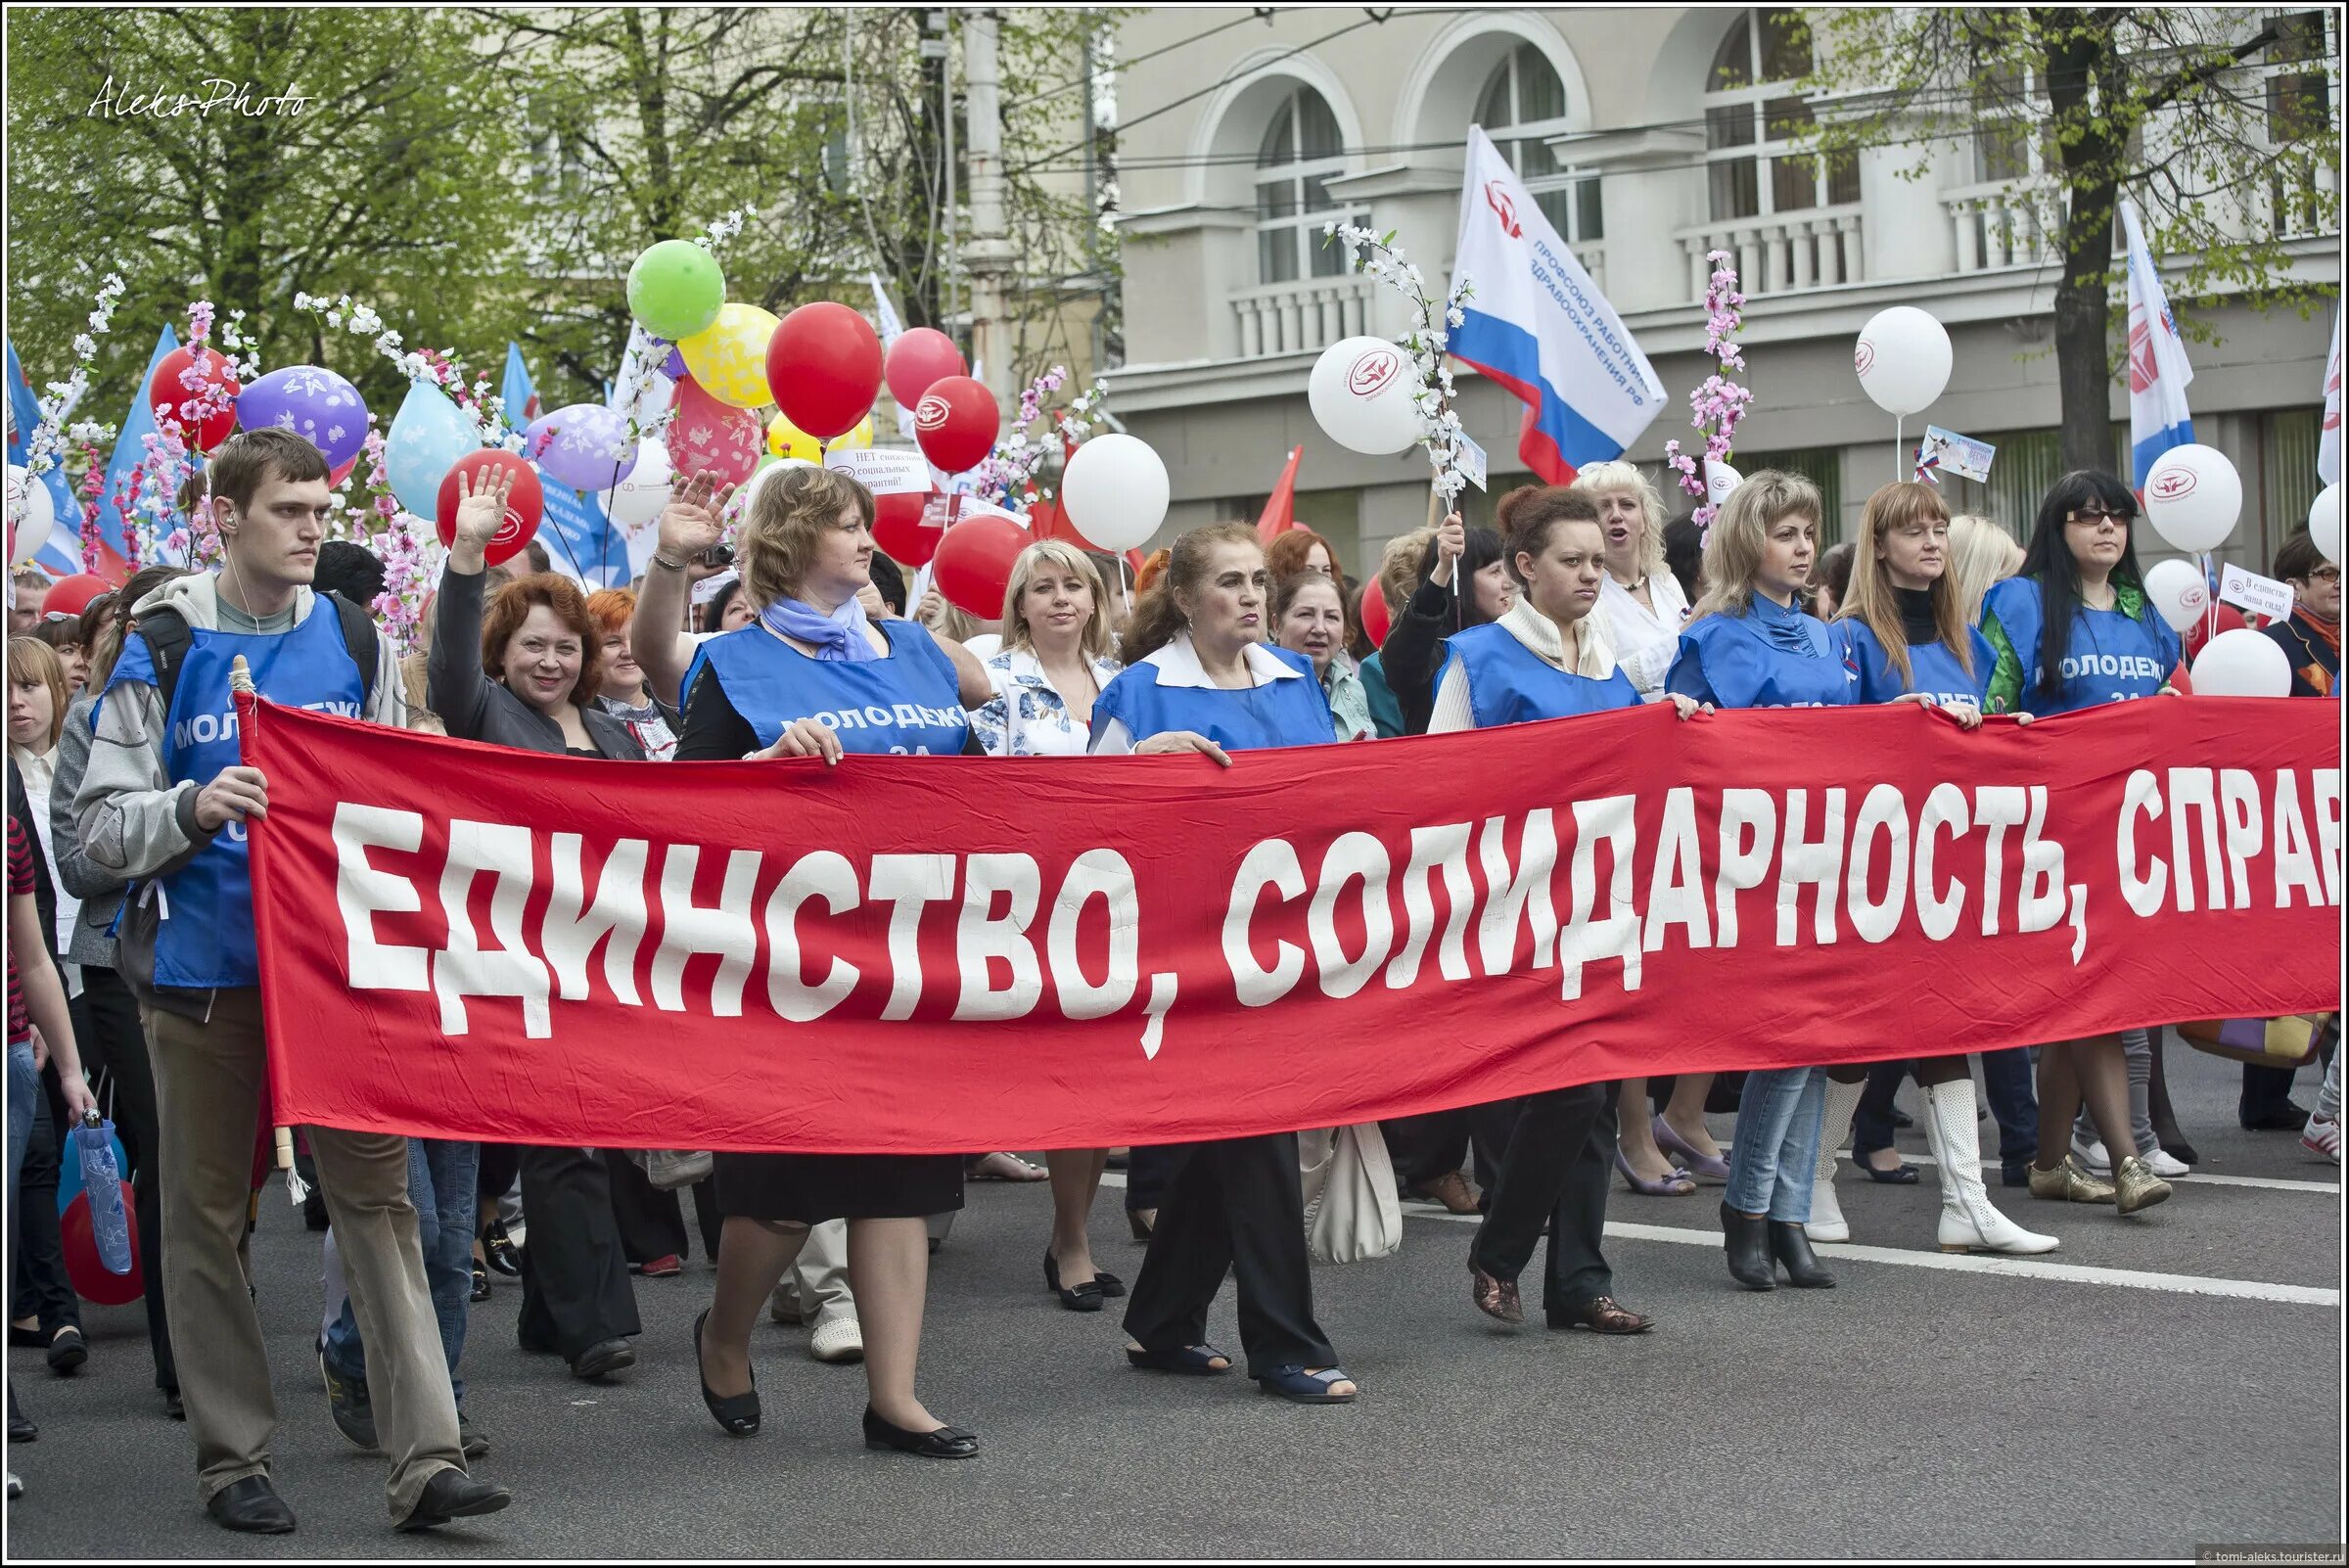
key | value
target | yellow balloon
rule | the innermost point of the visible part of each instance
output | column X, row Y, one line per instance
column 786, row 440
column 729, row 358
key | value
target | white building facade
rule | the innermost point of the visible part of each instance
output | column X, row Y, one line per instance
column 1651, row 137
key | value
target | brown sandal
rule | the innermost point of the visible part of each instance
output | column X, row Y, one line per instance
column 1497, row 1298
column 1601, row 1315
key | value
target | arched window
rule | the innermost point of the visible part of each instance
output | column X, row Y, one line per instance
column 1302, row 149
column 1754, row 117
column 1525, row 95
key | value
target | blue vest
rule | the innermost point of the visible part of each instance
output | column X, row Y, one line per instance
column 1508, row 683
column 1279, row 713
column 1932, row 667
column 1733, row 662
column 205, row 938
column 911, row 702
column 2109, row 657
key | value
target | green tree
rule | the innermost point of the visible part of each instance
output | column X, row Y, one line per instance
column 2213, row 123
column 393, row 181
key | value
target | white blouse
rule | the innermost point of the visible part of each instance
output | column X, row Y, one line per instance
column 1646, row 640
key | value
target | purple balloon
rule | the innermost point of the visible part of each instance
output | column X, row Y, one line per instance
column 313, row 403
column 673, row 367
column 584, row 447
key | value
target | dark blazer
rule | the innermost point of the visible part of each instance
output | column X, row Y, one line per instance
column 476, row 708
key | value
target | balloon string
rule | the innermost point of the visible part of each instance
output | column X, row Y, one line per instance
column 2210, row 626
column 1900, row 444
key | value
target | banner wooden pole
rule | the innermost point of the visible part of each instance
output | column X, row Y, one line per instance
column 240, row 680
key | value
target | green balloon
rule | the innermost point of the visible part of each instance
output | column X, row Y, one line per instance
column 675, row 289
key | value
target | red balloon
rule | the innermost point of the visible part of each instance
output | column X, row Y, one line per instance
column 823, row 365
column 72, row 595
column 92, row 1281
column 899, row 530
column 973, row 562
column 525, row 503
column 709, row 436
column 338, row 476
column 956, row 422
column 921, row 358
column 1376, row 621
column 165, row 387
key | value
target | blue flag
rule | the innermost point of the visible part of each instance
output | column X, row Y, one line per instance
column 579, row 539
column 61, row 555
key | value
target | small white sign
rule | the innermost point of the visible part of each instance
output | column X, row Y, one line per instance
column 1472, row 461
column 883, row 471
column 2260, row 595
column 1960, row 455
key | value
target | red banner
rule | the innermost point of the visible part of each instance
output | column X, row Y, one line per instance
column 906, row 954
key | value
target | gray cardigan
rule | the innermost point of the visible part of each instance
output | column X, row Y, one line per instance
column 99, row 889
column 477, row 709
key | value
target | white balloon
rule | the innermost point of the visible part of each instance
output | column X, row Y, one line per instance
column 2192, row 497
column 1360, row 393
column 1903, row 358
column 2243, row 663
column 2325, row 523
column 1115, row 491
column 1720, row 479
column 2178, row 591
column 636, row 501
column 31, row 515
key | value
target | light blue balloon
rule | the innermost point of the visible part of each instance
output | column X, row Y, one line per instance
column 427, row 437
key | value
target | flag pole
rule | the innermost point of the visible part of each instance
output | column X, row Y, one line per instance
column 239, row 682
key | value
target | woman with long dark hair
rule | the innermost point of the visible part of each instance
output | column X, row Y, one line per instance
column 1198, row 678
column 2074, row 629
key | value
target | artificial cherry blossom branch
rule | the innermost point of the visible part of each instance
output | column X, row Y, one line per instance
column 1377, row 256
column 1717, row 405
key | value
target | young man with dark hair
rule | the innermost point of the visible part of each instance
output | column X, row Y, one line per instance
column 165, row 803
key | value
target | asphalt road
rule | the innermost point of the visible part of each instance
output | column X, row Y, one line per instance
column 2163, row 1398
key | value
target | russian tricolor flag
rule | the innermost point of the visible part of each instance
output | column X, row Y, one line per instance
column 2159, row 373
column 61, row 557
column 1537, row 325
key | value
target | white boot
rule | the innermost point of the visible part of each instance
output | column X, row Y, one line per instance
column 1827, row 1221
column 1968, row 1222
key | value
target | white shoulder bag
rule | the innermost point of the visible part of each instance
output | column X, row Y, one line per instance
column 1352, row 1210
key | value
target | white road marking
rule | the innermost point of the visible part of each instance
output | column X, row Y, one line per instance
column 2193, row 1177
column 1974, row 1264
column 1965, row 1263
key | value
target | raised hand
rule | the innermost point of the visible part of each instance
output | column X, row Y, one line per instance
column 480, row 511
column 692, row 522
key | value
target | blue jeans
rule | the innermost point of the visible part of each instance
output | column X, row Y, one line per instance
column 1778, row 1134
column 442, row 1176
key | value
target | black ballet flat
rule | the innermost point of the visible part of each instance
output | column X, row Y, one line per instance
column 738, row 1414
column 946, row 1443
column 1084, row 1296
column 1111, row 1285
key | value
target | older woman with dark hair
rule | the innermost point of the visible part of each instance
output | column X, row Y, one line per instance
column 772, row 689
column 527, row 676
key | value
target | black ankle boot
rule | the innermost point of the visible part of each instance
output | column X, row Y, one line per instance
column 1748, row 1242
column 1791, row 1247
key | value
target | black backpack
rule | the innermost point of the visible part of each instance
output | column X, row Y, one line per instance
column 165, row 632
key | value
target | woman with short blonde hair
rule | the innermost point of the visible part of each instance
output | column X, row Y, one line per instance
column 1639, row 601
column 1981, row 554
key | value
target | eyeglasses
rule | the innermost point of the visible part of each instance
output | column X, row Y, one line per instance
column 2325, row 574
column 2096, row 517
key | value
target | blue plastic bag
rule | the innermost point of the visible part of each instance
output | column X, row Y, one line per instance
column 102, row 1179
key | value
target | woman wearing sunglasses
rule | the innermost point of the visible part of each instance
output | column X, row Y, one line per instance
column 2072, row 629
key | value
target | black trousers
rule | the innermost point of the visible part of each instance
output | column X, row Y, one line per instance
column 114, row 1045
column 574, row 1277
column 651, row 1221
column 1439, row 1142
column 1235, row 1205
column 1560, row 1148
column 1147, row 1168
column 39, row 1287
column 500, row 1164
